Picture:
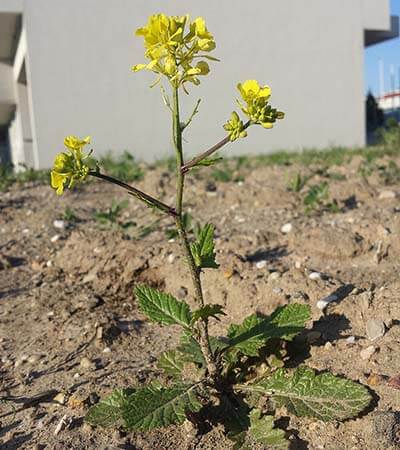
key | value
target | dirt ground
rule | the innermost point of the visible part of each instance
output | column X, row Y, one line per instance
column 70, row 329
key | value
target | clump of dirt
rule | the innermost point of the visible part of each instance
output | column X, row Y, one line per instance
column 71, row 330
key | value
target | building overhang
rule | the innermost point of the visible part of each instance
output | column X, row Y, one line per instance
column 10, row 28
column 372, row 37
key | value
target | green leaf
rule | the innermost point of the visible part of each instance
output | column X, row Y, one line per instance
column 233, row 413
column 203, row 249
column 163, row 308
column 191, row 349
column 304, row 393
column 156, row 406
column 262, row 430
column 108, row 411
column 284, row 323
column 208, row 162
column 207, row 311
column 172, row 363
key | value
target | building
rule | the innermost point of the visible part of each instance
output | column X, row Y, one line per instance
column 65, row 69
column 389, row 103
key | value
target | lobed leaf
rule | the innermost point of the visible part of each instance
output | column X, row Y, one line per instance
column 172, row 363
column 108, row 411
column 262, row 430
column 163, row 308
column 203, row 249
column 156, row 406
column 284, row 323
column 305, row 393
column 208, row 311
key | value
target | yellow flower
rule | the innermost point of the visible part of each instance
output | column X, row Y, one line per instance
column 74, row 143
column 250, row 90
column 73, row 166
column 172, row 49
column 256, row 106
column 235, row 127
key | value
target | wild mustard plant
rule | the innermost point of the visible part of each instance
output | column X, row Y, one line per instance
column 222, row 377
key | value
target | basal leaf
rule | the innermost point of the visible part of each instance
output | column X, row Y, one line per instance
column 172, row 362
column 155, row 406
column 234, row 415
column 305, row 393
column 284, row 323
column 262, row 430
column 108, row 411
column 203, row 249
column 208, row 311
column 163, row 308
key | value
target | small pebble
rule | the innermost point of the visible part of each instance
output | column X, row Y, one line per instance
column 286, row 228
column 375, row 379
column 375, row 329
column 171, row 258
column 367, row 352
column 277, row 290
column 386, row 195
column 323, row 303
column 182, row 292
column 314, row 276
column 328, row 346
column 274, row 276
column 394, row 382
column 107, row 350
column 60, row 398
column 261, row 264
column 55, row 238
column 76, row 375
column 350, row 340
column 86, row 363
column 34, row 359
column 229, row 272
column 60, row 224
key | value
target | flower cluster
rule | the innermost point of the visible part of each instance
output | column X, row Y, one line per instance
column 72, row 166
column 173, row 51
column 256, row 105
column 235, row 127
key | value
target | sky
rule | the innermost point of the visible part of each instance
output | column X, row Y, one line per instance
column 389, row 52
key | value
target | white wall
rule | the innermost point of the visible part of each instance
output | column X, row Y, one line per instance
column 309, row 51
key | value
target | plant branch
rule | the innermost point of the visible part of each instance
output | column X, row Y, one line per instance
column 146, row 198
column 195, row 111
column 194, row 161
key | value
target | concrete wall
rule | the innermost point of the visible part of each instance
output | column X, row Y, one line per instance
column 309, row 51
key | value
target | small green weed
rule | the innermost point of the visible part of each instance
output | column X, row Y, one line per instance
column 297, row 182
column 124, row 167
column 111, row 218
column 317, row 199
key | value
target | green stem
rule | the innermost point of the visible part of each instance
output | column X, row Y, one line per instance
column 203, row 155
column 203, row 339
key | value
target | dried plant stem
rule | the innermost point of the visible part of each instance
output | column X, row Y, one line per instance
column 203, row 339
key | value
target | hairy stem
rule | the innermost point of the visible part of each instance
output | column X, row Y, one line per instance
column 194, row 161
column 146, row 198
column 203, row 339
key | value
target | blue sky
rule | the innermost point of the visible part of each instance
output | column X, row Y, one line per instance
column 388, row 51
